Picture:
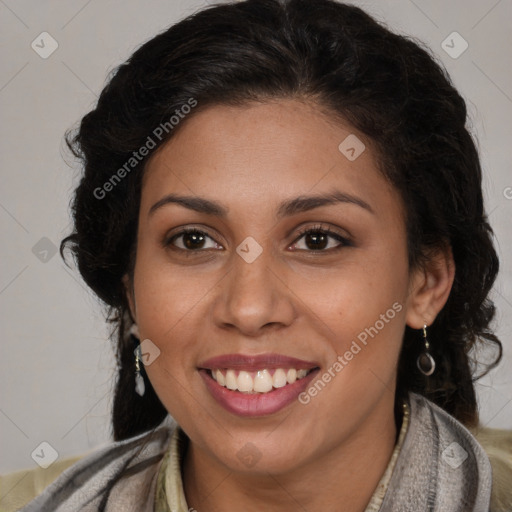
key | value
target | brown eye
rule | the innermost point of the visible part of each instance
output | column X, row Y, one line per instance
column 320, row 239
column 191, row 240
column 315, row 241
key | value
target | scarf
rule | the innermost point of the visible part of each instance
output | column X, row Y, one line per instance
column 440, row 467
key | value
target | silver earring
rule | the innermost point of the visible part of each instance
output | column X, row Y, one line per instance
column 425, row 361
column 140, row 387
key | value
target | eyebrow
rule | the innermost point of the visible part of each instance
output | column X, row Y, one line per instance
column 286, row 209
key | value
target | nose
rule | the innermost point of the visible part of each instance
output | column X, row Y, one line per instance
column 253, row 298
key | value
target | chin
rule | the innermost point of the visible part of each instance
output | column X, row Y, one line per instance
column 260, row 457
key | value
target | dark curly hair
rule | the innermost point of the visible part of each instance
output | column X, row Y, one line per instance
column 339, row 58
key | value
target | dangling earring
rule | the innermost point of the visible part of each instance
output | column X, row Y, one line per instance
column 425, row 361
column 140, row 387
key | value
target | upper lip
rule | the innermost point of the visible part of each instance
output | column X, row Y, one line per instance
column 256, row 362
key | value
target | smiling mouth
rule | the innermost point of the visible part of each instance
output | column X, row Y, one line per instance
column 257, row 382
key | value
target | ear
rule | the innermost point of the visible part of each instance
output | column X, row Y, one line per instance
column 130, row 296
column 430, row 288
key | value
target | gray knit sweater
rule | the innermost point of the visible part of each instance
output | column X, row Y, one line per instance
column 440, row 468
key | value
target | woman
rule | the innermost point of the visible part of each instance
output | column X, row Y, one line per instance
column 282, row 209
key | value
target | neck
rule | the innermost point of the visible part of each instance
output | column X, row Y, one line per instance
column 347, row 474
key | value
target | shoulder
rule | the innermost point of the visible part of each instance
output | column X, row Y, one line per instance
column 498, row 446
column 124, row 472
column 19, row 487
column 450, row 437
column 441, row 466
column 480, row 458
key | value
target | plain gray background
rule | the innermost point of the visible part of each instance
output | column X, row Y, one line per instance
column 56, row 366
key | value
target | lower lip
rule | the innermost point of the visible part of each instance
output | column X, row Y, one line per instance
column 256, row 404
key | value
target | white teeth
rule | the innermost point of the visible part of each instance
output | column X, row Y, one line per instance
column 291, row 375
column 261, row 381
column 279, row 379
column 245, row 382
column 301, row 374
column 231, row 381
column 219, row 377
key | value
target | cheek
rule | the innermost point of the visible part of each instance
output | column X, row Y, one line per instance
column 365, row 337
column 354, row 294
column 169, row 304
column 168, row 313
column 166, row 294
column 360, row 308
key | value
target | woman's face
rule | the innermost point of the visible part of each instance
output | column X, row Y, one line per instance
column 249, row 297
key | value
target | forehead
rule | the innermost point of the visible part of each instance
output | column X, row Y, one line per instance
column 261, row 152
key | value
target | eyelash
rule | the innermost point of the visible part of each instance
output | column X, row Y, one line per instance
column 318, row 229
column 168, row 241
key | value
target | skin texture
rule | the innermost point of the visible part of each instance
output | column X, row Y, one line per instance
column 291, row 300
